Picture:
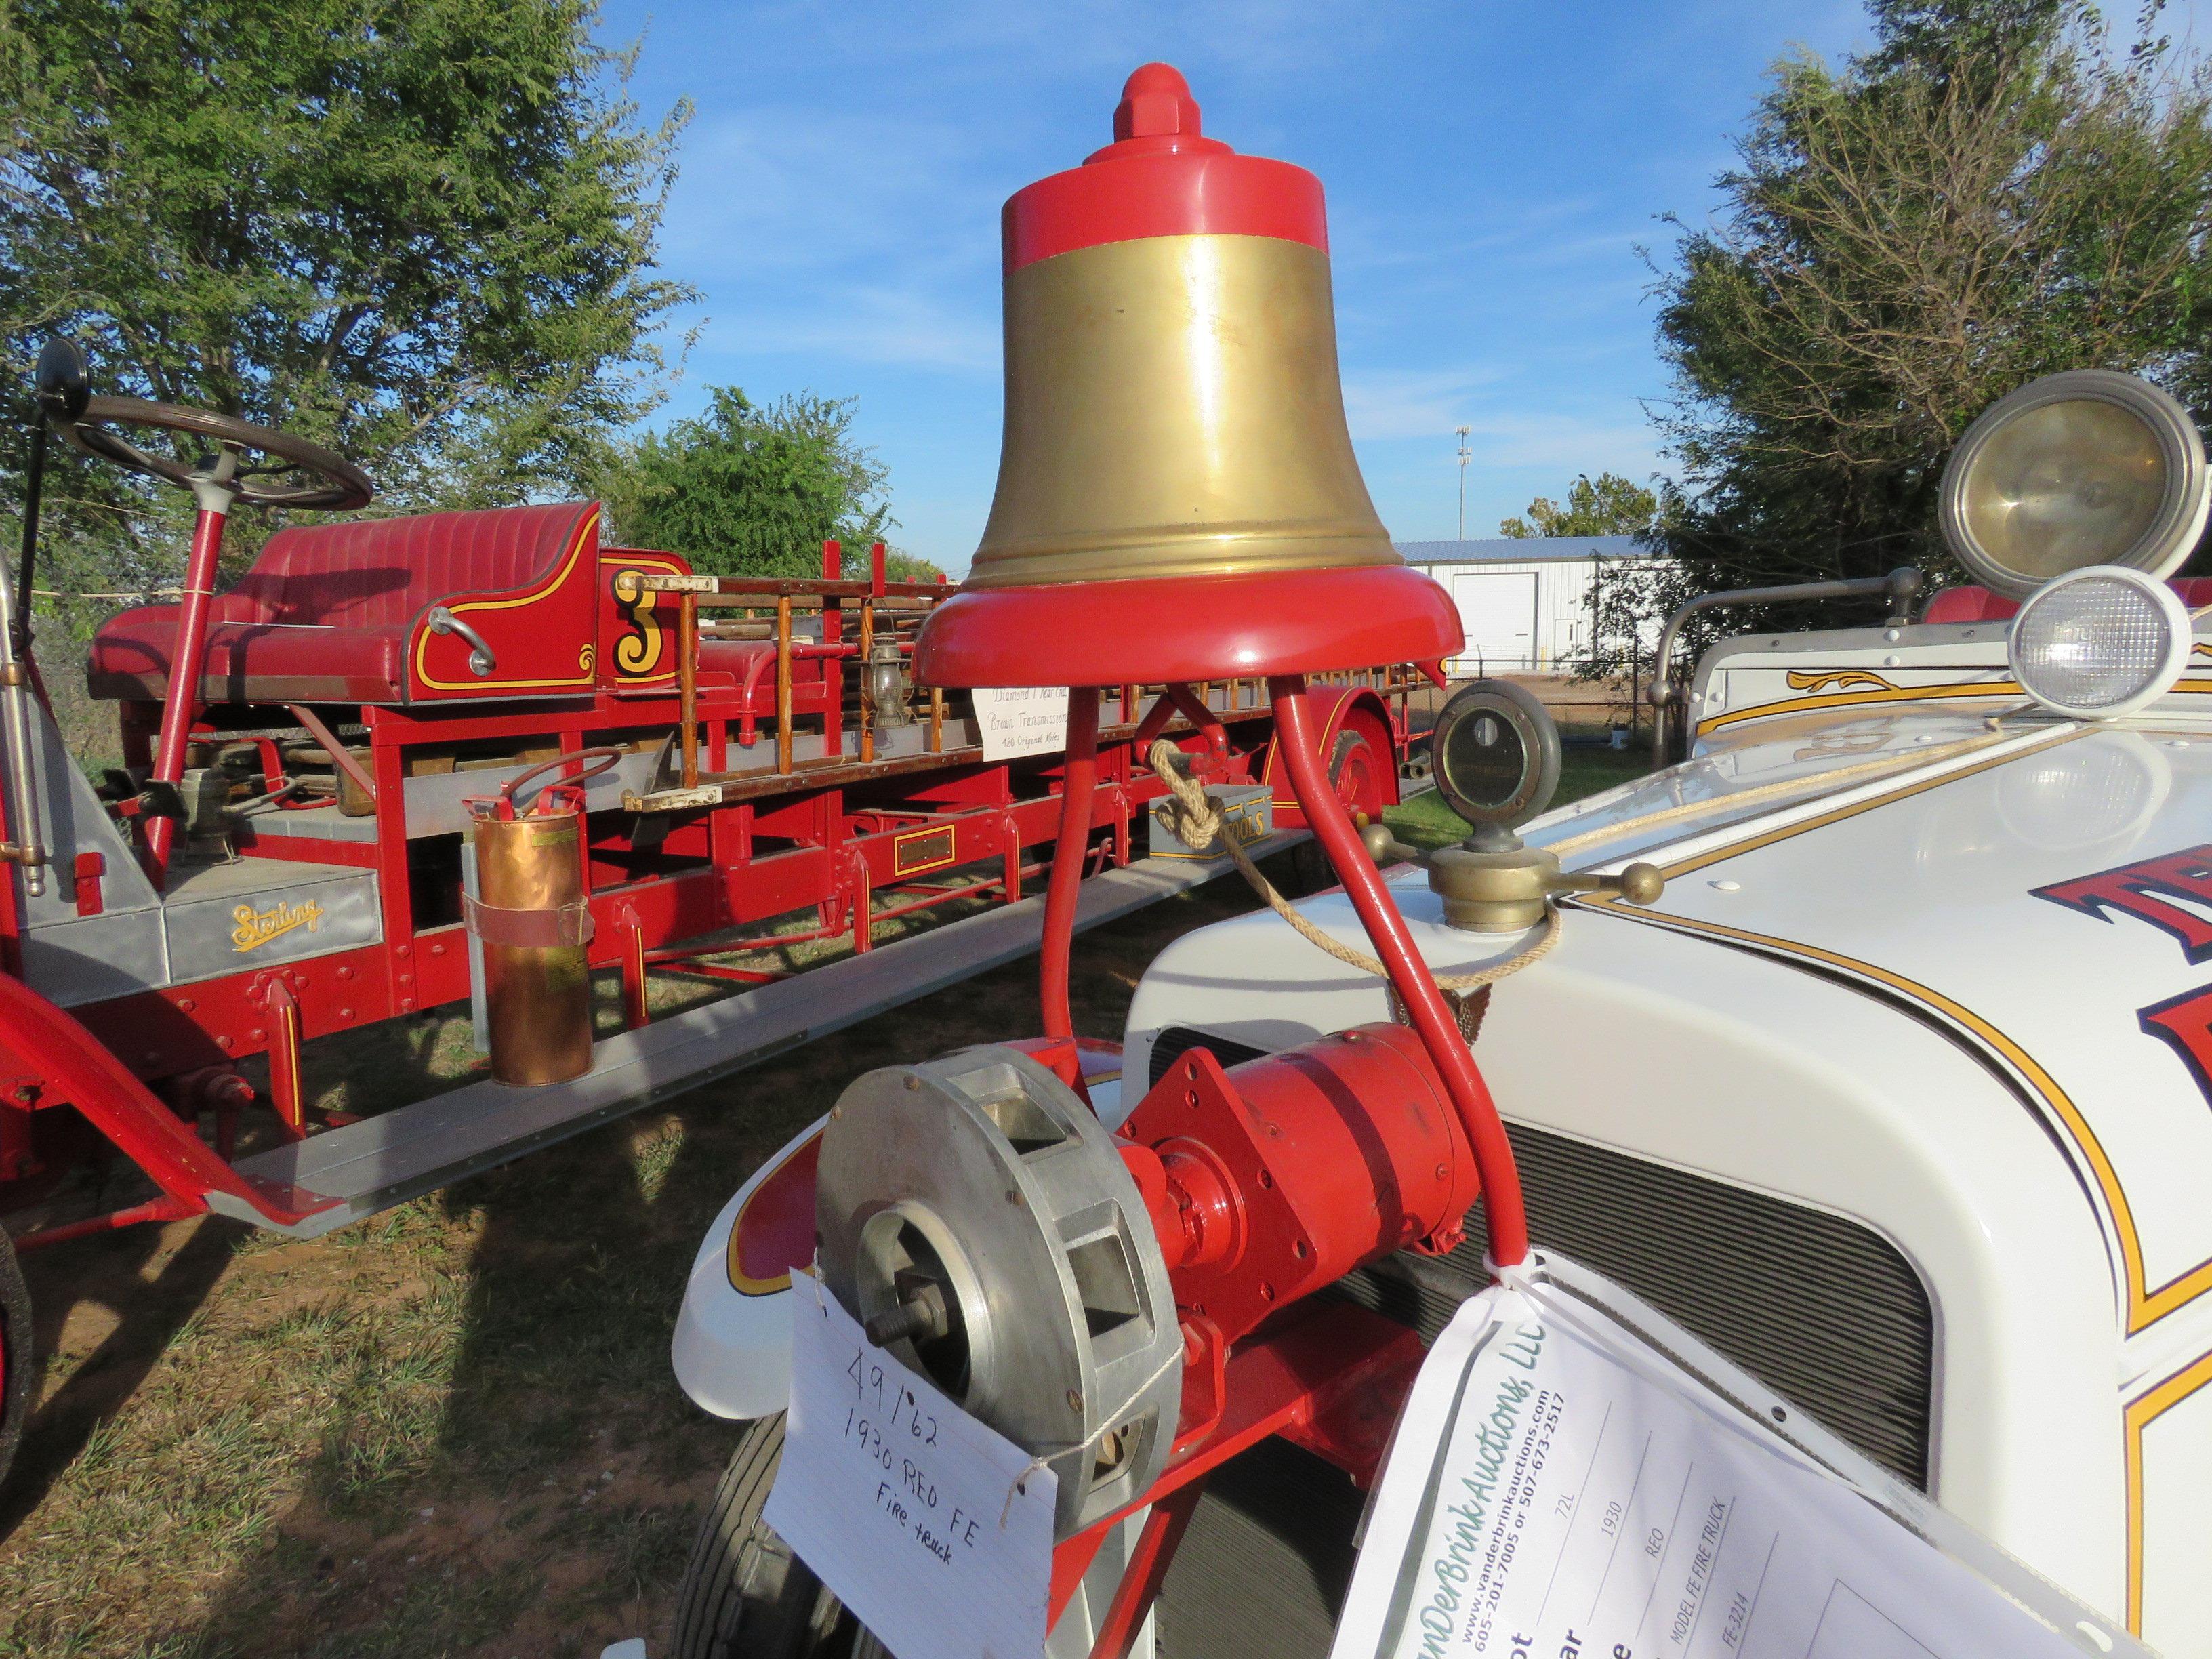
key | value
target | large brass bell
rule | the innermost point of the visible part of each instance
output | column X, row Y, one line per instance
column 1172, row 402
column 1178, row 499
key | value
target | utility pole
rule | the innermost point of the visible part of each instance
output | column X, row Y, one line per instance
column 1464, row 452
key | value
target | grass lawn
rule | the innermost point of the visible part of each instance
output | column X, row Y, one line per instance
column 453, row 1429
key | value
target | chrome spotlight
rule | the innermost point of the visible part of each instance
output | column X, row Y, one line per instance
column 2100, row 643
column 2079, row 469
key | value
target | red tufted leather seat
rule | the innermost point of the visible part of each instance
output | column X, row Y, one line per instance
column 326, row 613
column 1973, row 604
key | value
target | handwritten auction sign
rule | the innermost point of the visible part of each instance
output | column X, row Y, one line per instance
column 1022, row 719
column 934, row 1529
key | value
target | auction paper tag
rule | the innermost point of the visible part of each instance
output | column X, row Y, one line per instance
column 1560, row 1490
column 1022, row 719
column 933, row 1528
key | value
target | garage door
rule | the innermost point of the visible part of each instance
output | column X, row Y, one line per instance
column 1498, row 610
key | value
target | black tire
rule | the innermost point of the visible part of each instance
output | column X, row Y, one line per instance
column 15, row 1353
column 744, row 1595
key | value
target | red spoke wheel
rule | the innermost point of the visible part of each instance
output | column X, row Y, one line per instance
column 15, row 1353
column 1356, row 768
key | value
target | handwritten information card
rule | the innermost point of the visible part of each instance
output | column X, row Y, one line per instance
column 1022, row 719
column 908, row 1508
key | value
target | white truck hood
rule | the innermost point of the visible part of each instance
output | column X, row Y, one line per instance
column 2045, row 896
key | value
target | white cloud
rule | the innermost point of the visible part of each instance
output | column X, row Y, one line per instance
column 1410, row 403
column 845, row 322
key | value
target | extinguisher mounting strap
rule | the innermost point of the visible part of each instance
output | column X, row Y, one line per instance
column 528, row 930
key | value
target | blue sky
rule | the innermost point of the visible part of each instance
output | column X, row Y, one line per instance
column 1491, row 170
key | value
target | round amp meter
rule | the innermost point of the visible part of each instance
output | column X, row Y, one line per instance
column 1495, row 750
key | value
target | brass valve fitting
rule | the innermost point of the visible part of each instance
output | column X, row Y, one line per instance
column 1503, row 890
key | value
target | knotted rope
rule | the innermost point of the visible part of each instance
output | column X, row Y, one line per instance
column 1198, row 825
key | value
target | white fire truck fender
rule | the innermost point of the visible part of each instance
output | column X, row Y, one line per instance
column 732, row 1349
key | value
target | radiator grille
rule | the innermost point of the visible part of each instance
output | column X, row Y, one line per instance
column 1172, row 1044
column 1825, row 1312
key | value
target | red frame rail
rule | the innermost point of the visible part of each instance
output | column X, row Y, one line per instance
column 824, row 830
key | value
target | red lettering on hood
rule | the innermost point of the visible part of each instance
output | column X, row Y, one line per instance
column 2146, row 890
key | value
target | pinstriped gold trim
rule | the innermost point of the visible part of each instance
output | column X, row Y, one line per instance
column 1906, row 693
column 637, row 659
column 586, row 660
column 2146, row 1304
column 1767, row 838
column 1849, row 699
column 1844, row 679
column 740, row 1281
column 2141, row 1413
column 2144, row 1309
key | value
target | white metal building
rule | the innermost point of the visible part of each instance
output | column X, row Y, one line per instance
column 1526, row 602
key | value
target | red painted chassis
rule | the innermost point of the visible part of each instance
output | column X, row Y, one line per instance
column 821, row 831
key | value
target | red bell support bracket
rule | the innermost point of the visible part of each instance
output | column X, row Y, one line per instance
column 1331, row 1377
column 1409, row 975
column 1078, row 788
column 1146, row 1570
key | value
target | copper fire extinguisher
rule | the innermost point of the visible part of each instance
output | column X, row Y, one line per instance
column 532, row 915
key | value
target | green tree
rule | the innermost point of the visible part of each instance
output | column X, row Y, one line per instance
column 903, row 567
column 1607, row 505
column 419, row 231
column 749, row 489
column 1991, row 193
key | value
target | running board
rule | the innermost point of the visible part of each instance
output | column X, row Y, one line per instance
column 365, row 1167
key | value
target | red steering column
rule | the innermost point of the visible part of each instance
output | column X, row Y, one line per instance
column 180, row 704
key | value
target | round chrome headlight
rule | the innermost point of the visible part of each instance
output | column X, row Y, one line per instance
column 2100, row 643
column 2078, row 469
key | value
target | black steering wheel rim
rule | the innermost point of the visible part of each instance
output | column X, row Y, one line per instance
column 342, row 487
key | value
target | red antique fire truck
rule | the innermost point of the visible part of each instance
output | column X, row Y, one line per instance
column 404, row 762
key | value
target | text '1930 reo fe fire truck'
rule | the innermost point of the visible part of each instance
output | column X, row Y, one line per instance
column 1860, row 1064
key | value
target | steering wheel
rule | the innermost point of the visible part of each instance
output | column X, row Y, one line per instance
column 334, row 483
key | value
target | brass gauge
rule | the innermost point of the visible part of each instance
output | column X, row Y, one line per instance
column 1496, row 754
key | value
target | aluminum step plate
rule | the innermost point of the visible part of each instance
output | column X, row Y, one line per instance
column 398, row 1155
